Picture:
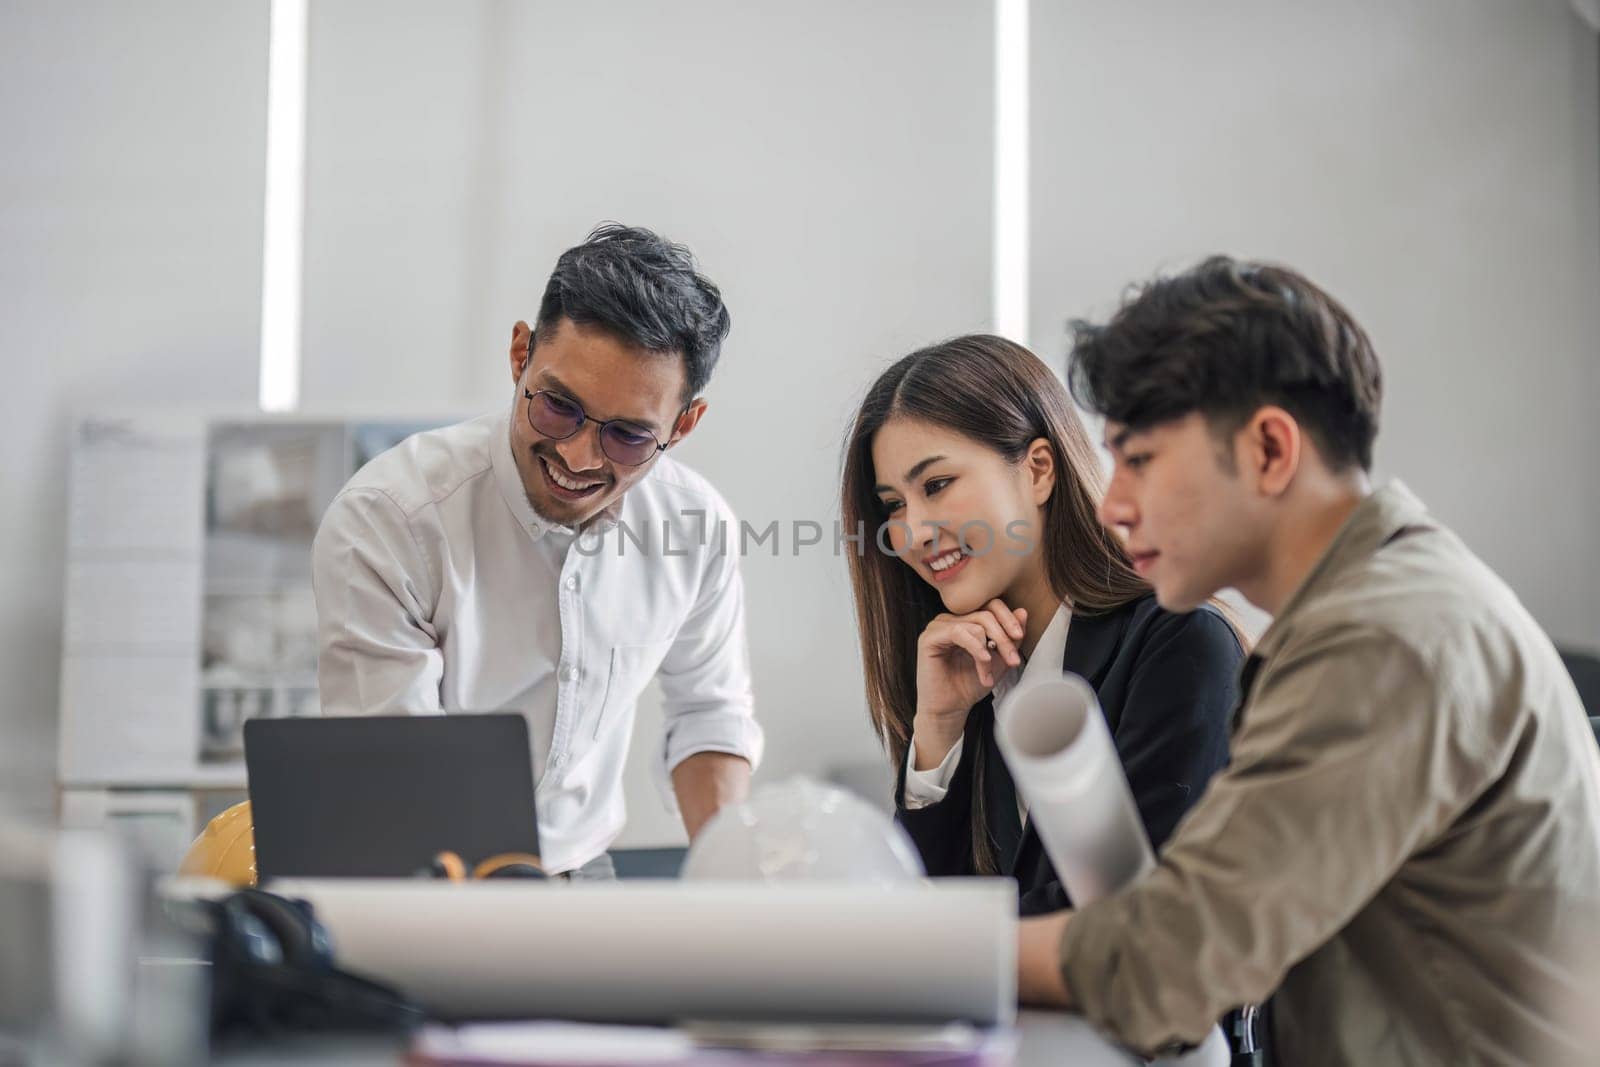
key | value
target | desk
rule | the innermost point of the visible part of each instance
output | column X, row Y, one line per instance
column 1046, row 1039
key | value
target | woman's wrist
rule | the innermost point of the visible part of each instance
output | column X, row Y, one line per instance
column 933, row 736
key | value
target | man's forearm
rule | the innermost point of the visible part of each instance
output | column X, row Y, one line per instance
column 1039, row 979
column 705, row 782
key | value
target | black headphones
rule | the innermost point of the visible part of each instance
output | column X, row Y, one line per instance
column 273, row 972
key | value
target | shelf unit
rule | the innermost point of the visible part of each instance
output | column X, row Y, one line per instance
column 188, row 604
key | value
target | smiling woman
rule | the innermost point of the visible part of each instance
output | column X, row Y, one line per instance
column 968, row 462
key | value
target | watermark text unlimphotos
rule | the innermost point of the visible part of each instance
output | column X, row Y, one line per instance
column 697, row 529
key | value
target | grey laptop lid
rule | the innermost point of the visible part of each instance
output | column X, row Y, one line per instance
column 380, row 796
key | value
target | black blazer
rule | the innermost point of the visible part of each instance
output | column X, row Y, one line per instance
column 1167, row 684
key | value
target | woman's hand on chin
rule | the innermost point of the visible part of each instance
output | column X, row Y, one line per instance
column 959, row 660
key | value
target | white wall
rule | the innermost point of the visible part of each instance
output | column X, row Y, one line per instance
column 829, row 162
column 1435, row 164
column 130, row 274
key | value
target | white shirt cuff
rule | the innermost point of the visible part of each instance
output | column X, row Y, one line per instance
column 929, row 787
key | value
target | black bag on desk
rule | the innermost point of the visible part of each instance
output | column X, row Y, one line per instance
column 272, row 972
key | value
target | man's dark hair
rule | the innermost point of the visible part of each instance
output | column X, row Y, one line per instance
column 643, row 289
column 1225, row 338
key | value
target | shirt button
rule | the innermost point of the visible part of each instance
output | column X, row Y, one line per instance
column 570, row 674
column 572, row 581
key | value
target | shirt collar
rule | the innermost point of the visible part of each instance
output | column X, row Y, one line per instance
column 1047, row 655
column 1384, row 513
column 509, row 481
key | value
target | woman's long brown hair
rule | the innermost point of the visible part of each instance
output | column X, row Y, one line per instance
column 999, row 394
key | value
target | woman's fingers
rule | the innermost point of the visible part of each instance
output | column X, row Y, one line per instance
column 1013, row 621
column 971, row 639
column 950, row 632
column 997, row 636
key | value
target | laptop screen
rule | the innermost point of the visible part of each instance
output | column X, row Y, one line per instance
column 380, row 796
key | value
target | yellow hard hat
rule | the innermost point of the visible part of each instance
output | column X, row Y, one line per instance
column 225, row 849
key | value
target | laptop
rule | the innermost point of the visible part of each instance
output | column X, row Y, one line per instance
column 380, row 796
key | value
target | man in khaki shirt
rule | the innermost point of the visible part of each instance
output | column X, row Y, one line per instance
column 1404, row 853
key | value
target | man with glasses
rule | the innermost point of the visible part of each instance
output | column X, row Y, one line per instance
column 553, row 560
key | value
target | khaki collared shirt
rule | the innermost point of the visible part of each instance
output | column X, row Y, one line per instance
column 1406, row 846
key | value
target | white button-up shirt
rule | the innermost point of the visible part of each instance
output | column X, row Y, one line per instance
column 439, row 589
column 930, row 786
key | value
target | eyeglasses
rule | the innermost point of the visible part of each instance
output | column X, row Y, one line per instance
column 622, row 441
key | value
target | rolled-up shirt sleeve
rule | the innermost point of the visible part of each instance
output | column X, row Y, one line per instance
column 705, row 676
column 1347, row 760
column 379, row 653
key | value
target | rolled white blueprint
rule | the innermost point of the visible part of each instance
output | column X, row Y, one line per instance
column 1055, row 741
column 663, row 951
